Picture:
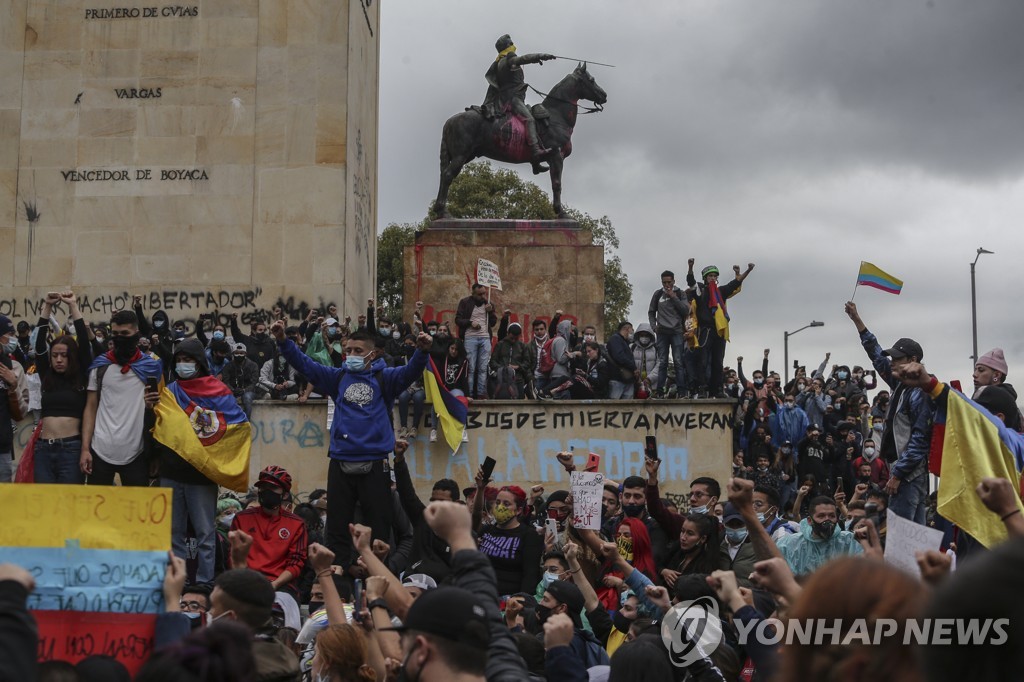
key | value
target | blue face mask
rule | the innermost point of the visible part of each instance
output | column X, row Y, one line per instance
column 185, row 370
column 219, row 336
column 841, row 375
column 699, row 510
column 355, row 363
column 548, row 579
column 736, row 535
column 12, row 344
column 333, row 332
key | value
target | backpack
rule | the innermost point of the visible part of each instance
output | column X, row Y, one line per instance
column 505, row 384
column 547, row 362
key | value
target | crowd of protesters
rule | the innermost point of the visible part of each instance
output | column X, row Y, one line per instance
column 367, row 581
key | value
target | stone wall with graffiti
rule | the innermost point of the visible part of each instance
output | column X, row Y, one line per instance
column 694, row 439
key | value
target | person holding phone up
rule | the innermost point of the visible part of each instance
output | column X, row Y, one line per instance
column 123, row 387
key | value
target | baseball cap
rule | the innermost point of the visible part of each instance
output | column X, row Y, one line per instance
column 904, row 348
column 239, row 348
column 731, row 513
column 420, row 580
column 6, row 326
column 330, row 322
column 568, row 594
column 449, row 612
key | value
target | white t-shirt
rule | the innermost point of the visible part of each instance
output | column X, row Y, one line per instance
column 120, row 416
column 478, row 316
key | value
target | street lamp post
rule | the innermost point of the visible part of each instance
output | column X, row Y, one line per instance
column 785, row 341
column 974, row 310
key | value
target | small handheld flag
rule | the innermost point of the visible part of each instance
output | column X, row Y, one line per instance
column 873, row 276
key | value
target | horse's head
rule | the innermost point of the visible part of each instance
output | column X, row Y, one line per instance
column 588, row 87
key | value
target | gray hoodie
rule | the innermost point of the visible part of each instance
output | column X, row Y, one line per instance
column 646, row 357
column 560, row 350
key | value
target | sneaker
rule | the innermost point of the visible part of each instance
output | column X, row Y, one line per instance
column 465, row 436
column 545, row 396
column 671, row 393
column 410, row 433
column 433, row 435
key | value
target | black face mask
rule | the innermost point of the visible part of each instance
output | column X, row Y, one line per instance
column 620, row 622
column 633, row 510
column 239, row 359
column 543, row 613
column 125, row 347
column 315, row 606
column 824, row 529
column 269, row 499
column 260, row 336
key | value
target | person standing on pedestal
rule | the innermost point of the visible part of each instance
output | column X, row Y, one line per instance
column 475, row 318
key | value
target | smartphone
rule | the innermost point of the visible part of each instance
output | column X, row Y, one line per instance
column 551, row 526
column 357, row 601
column 651, row 447
column 488, row 467
column 593, row 462
column 839, row 484
column 152, row 385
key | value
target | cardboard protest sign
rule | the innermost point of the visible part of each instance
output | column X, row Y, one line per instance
column 98, row 556
column 587, row 489
column 903, row 538
column 487, row 274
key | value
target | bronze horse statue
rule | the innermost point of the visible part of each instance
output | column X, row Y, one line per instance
column 470, row 134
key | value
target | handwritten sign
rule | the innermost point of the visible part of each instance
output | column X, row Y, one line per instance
column 97, row 516
column 98, row 556
column 587, row 489
column 904, row 538
column 487, row 274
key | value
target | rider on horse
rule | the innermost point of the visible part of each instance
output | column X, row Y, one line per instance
column 507, row 89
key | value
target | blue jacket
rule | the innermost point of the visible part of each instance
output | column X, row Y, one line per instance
column 362, row 429
column 620, row 353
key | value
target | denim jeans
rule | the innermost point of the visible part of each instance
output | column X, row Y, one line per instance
column 911, row 500
column 6, row 467
column 620, row 390
column 57, row 462
column 198, row 504
column 675, row 340
column 478, row 353
column 417, row 396
column 245, row 400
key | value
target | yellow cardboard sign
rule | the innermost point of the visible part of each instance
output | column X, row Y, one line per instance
column 98, row 517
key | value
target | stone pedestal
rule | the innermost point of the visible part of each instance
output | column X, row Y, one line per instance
column 545, row 265
column 204, row 155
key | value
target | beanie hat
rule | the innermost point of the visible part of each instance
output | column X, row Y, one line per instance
column 996, row 360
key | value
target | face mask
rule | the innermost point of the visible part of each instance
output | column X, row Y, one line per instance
column 226, row 520
column 633, row 510
column 396, row 335
column 179, row 333
column 219, row 336
column 210, row 619
column 801, row 386
column 540, row 337
column 790, row 404
column 11, row 345
column 589, row 337
column 761, row 516
column 185, row 370
column 824, row 529
column 269, row 499
column 786, row 450
column 503, row 514
column 549, row 578
column 736, row 535
column 864, row 479
column 403, row 672
column 621, row 622
column 125, row 347
column 758, row 382
column 384, row 331
column 315, row 606
column 192, row 615
column 239, row 359
column 841, row 375
column 158, row 324
column 762, row 468
column 869, row 453
column 699, row 510
column 625, row 546
column 355, row 363
column 260, row 336
column 644, row 341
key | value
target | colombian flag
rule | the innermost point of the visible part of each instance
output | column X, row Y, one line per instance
column 871, row 276
column 721, row 314
column 974, row 445
column 450, row 409
column 200, row 421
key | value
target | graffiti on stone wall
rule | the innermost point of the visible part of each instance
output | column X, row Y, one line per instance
column 362, row 193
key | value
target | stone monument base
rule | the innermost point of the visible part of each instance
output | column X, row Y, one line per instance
column 545, row 265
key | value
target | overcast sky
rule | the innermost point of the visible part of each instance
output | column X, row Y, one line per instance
column 801, row 136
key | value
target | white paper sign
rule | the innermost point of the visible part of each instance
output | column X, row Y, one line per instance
column 487, row 274
column 903, row 538
column 587, row 491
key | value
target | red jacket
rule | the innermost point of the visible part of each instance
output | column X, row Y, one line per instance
column 879, row 469
column 278, row 542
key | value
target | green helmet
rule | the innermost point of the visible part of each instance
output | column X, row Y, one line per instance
column 709, row 270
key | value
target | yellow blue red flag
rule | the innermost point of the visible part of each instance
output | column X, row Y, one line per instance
column 451, row 410
column 974, row 445
column 200, row 421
